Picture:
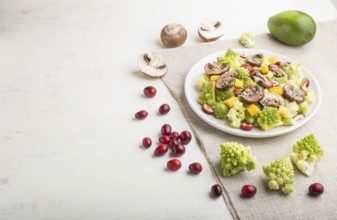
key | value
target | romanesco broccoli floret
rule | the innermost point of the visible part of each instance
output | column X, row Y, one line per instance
column 232, row 58
column 292, row 108
column 280, row 174
column 310, row 97
column 281, row 80
column 235, row 157
column 294, row 71
column 303, row 107
column 247, row 39
column 306, row 154
column 288, row 121
column 203, row 78
column 207, row 94
column 243, row 73
column 220, row 110
column 236, row 114
column 269, row 118
column 222, row 95
column 249, row 82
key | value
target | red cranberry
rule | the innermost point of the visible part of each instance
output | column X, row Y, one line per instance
column 147, row 142
column 216, row 190
column 166, row 129
column 141, row 114
column 164, row 109
column 173, row 164
column 150, row 91
column 174, row 135
column 164, row 139
column 195, row 168
column 316, row 189
column 185, row 137
column 178, row 149
column 248, row 191
column 207, row 109
column 173, row 142
column 161, row 149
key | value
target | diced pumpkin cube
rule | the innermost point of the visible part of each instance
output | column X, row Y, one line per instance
column 230, row 102
column 238, row 84
column 253, row 109
column 277, row 89
column 272, row 59
column 214, row 77
column 264, row 69
column 283, row 111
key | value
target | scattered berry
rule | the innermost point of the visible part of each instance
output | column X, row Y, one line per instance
column 195, row 168
column 178, row 149
column 164, row 109
column 141, row 114
column 173, row 164
column 316, row 189
column 166, row 129
column 147, row 142
column 161, row 149
column 150, row 91
column 248, row 191
column 216, row 190
column 185, row 137
column 164, row 139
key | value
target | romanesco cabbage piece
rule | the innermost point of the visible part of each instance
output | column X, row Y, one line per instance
column 310, row 97
column 232, row 58
column 236, row 114
column 243, row 73
column 292, row 108
column 249, row 82
column 220, row 110
column 280, row 174
column 281, row 80
column 294, row 71
column 303, row 107
column 247, row 39
column 288, row 121
column 207, row 94
column 222, row 95
column 203, row 78
column 306, row 154
column 268, row 118
column 235, row 157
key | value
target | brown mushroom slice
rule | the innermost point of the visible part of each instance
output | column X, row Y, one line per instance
column 262, row 80
column 224, row 82
column 254, row 60
column 216, row 68
column 272, row 100
column 293, row 94
column 152, row 65
column 252, row 94
column 211, row 30
column 278, row 72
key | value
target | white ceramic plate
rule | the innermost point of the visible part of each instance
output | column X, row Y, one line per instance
column 192, row 93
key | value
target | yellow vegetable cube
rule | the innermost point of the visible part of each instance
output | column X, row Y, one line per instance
column 214, row 77
column 277, row 89
column 238, row 84
column 253, row 109
column 283, row 111
column 264, row 69
column 230, row 102
column 272, row 59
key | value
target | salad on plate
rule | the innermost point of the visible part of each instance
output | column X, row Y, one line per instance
column 254, row 91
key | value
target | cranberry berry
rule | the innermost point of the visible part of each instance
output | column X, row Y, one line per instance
column 185, row 137
column 195, row 168
column 248, row 191
column 161, row 149
column 150, row 91
column 316, row 189
column 166, row 129
column 147, row 142
column 178, row 149
column 173, row 164
column 141, row 114
column 164, row 109
column 216, row 190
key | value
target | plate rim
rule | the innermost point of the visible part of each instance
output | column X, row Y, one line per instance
column 239, row 132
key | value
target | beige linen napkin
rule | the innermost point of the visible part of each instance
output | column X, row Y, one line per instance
column 320, row 58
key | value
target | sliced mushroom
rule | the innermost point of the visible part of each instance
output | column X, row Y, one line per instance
column 210, row 30
column 252, row 94
column 262, row 80
column 272, row 100
column 152, row 65
column 293, row 94
column 224, row 82
column 254, row 60
column 278, row 72
column 216, row 68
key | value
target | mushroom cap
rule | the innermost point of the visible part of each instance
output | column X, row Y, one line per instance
column 152, row 65
column 255, row 59
column 262, row 80
column 216, row 68
column 278, row 72
column 293, row 94
column 173, row 35
column 252, row 94
column 210, row 30
column 224, row 82
column 272, row 100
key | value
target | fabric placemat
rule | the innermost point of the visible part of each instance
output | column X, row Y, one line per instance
column 320, row 58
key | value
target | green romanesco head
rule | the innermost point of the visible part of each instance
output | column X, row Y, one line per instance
column 236, row 114
column 207, row 94
column 243, row 73
column 294, row 71
column 220, row 110
column 269, row 118
column 222, row 95
column 249, row 82
column 235, row 157
column 232, row 58
column 307, row 152
column 280, row 174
